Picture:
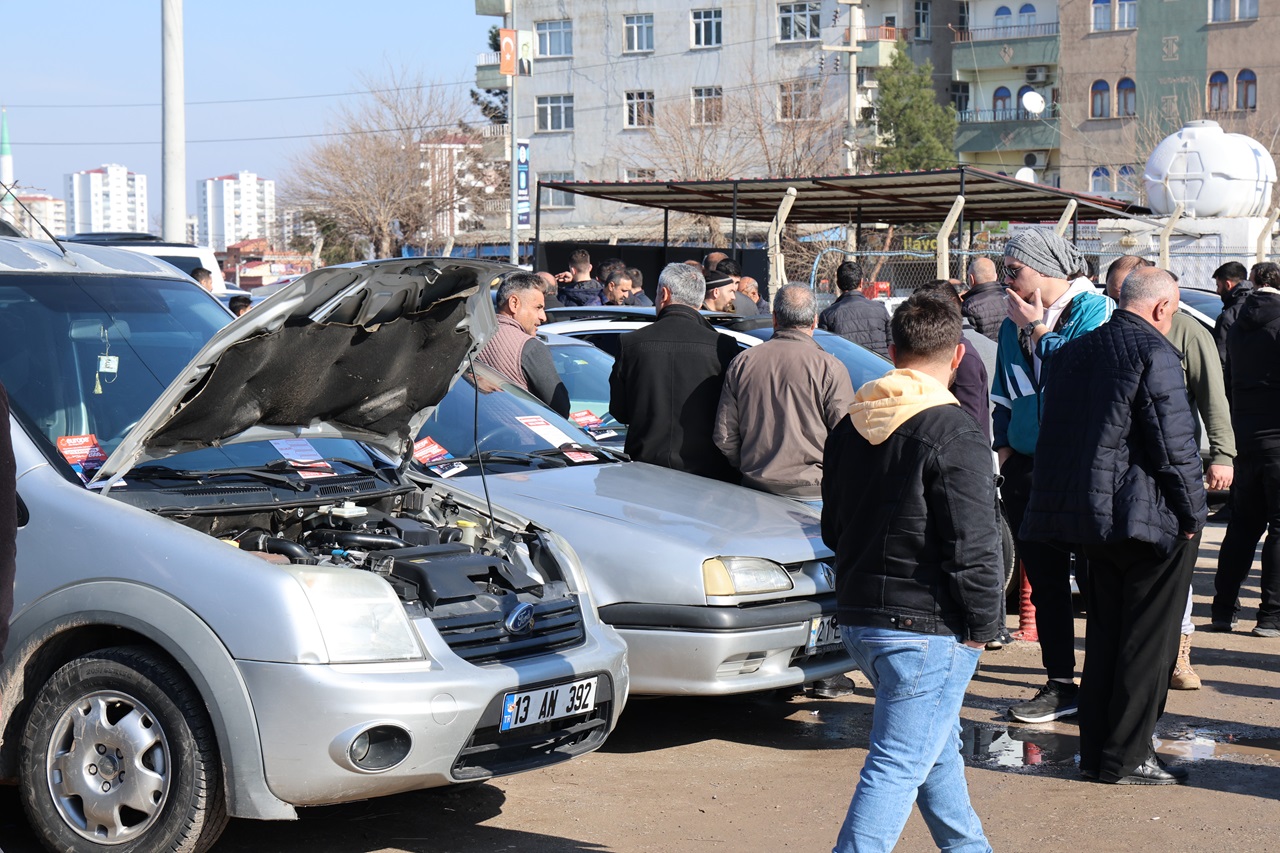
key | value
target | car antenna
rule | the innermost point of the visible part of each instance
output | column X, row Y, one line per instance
column 9, row 192
column 475, row 432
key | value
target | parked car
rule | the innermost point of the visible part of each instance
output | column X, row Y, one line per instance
column 231, row 600
column 717, row 589
column 187, row 257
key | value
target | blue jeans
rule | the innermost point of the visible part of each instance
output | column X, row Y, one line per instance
column 919, row 681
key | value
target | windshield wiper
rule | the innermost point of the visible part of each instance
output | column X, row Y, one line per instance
column 162, row 472
column 513, row 457
column 363, row 468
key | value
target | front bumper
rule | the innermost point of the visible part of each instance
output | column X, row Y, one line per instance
column 308, row 716
column 717, row 651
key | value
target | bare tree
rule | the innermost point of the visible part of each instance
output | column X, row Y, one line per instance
column 394, row 165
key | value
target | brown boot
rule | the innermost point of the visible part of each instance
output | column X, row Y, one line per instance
column 1184, row 677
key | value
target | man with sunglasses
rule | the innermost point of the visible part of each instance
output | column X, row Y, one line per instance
column 1049, row 303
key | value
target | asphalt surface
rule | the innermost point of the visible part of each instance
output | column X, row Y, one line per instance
column 764, row 773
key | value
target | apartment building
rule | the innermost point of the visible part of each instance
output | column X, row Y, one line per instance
column 47, row 210
column 236, row 207
column 109, row 198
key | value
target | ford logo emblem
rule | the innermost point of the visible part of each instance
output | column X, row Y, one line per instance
column 519, row 620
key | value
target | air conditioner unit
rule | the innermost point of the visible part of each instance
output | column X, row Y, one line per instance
column 867, row 78
column 1036, row 159
column 1037, row 73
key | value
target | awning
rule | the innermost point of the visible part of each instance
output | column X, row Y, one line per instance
column 895, row 198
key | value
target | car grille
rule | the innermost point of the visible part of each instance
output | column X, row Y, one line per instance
column 481, row 637
column 492, row 752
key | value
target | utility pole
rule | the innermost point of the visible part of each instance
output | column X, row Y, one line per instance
column 850, row 50
column 173, row 150
column 512, row 105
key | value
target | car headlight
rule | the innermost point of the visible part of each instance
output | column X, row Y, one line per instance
column 360, row 617
column 743, row 576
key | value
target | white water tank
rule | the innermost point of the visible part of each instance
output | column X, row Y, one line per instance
column 1211, row 172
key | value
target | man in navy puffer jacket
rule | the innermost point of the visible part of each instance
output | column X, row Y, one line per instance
column 1124, row 480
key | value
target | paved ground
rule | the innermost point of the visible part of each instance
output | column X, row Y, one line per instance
column 759, row 774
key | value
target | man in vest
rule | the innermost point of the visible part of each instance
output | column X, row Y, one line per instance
column 515, row 351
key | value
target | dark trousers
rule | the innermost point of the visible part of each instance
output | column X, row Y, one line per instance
column 1049, row 572
column 1255, row 508
column 1136, row 597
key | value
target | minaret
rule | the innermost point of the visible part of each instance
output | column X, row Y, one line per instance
column 6, row 167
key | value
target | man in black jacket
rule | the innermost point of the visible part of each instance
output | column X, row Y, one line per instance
column 984, row 300
column 1233, row 286
column 908, row 490
column 1123, row 480
column 854, row 316
column 1253, row 355
column 666, row 381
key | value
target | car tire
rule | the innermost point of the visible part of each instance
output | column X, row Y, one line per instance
column 102, row 717
column 1008, row 563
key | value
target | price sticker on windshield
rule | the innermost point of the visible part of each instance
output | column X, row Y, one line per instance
column 297, row 450
column 545, row 430
column 427, row 449
column 585, row 418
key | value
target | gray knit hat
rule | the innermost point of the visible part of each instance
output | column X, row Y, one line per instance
column 1046, row 253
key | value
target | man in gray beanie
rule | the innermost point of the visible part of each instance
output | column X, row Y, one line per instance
column 1046, row 309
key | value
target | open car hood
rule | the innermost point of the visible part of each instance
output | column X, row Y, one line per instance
column 362, row 351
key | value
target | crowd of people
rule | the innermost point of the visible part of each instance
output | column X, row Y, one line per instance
column 1082, row 405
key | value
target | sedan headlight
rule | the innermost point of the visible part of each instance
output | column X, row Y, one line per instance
column 360, row 617
column 743, row 576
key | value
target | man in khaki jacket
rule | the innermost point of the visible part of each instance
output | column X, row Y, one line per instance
column 780, row 400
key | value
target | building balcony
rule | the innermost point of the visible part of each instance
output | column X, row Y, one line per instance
column 487, row 75
column 979, row 55
column 877, row 45
column 1005, row 33
column 1009, row 114
column 1007, row 135
column 498, row 8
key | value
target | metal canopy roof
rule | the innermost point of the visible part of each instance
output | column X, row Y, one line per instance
column 896, row 198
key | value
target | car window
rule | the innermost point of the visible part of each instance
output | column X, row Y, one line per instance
column 584, row 370
column 1209, row 304
column 187, row 264
column 607, row 341
column 863, row 365
column 87, row 355
column 506, row 418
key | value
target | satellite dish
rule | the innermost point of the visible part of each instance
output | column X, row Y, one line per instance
column 1026, row 173
column 1033, row 102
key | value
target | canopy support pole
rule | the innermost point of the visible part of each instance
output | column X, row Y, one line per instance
column 944, row 238
column 777, row 270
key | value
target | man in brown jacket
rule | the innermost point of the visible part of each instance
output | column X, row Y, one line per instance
column 779, row 401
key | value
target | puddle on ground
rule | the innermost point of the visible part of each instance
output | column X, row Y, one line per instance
column 1019, row 747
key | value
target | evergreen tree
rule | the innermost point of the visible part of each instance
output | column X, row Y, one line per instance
column 492, row 102
column 916, row 132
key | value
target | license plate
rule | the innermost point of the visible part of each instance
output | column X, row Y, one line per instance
column 548, row 703
column 824, row 636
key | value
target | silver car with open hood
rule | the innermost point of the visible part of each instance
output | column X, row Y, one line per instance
column 230, row 598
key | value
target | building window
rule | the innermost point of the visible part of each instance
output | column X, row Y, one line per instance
column 1101, row 15
column 639, row 30
column 1127, row 15
column 960, row 96
column 1248, row 10
column 1127, row 181
column 707, row 30
column 1246, row 90
column 1018, row 107
column 1100, row 99
column 924, row 10
column 799, row 21
column 1002, row 101
column 639, row 109
column 799, row 100
column 1004, row 17
column 1219, row 10
column 1026, row 15
column 555, row 38
column 1219, row 92
column 1126, row 99
column 1100, row 182
column 555, row 112
column 708, row 104
column 634, row 175
column 556, row 198
column 962, row 16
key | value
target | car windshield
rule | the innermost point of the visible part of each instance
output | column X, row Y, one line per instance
column 84, row 357
column 584, row 370
column 185, row 263
column 506, row 419
column 1209, row 304
column 863, row 365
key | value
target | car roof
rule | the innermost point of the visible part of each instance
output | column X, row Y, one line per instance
column 606, row 325
column 23, row 254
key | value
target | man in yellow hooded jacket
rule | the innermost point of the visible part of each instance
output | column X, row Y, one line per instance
column 907, row 495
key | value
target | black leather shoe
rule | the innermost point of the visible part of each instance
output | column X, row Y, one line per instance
column 831, row 688
column 1153, row 771
column 1089, row 773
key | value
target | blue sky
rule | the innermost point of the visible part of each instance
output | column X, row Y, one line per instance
column 80, row 79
